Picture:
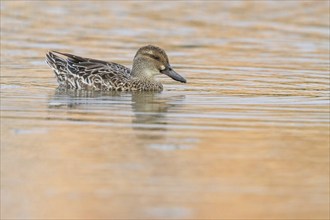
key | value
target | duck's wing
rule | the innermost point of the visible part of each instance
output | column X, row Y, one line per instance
column 85, row 67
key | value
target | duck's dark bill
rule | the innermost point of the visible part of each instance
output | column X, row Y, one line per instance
column 174, row 75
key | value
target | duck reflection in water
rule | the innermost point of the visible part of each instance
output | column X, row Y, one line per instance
column 149, row 108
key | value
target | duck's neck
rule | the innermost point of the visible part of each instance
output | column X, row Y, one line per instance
column 143, row 73
column 143, row 69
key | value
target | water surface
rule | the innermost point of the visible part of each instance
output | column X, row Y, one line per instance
column 247, row 137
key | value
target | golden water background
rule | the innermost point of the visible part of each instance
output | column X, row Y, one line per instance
column 246, row 138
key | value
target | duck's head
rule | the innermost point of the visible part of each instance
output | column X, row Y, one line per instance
column 150, row 61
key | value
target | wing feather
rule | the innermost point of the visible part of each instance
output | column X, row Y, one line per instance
column 84, row 67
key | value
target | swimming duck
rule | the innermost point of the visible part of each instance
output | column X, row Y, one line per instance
column 74, row 72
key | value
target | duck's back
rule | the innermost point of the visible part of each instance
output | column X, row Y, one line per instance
column 76, row 72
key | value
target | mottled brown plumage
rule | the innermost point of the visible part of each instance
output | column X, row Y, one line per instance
column 74, row 72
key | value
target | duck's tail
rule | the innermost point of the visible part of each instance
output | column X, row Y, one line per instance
column 58, row 64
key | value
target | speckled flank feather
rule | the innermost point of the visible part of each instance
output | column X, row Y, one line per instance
column 74, row 72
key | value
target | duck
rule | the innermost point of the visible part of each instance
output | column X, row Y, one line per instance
column 75, row 72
